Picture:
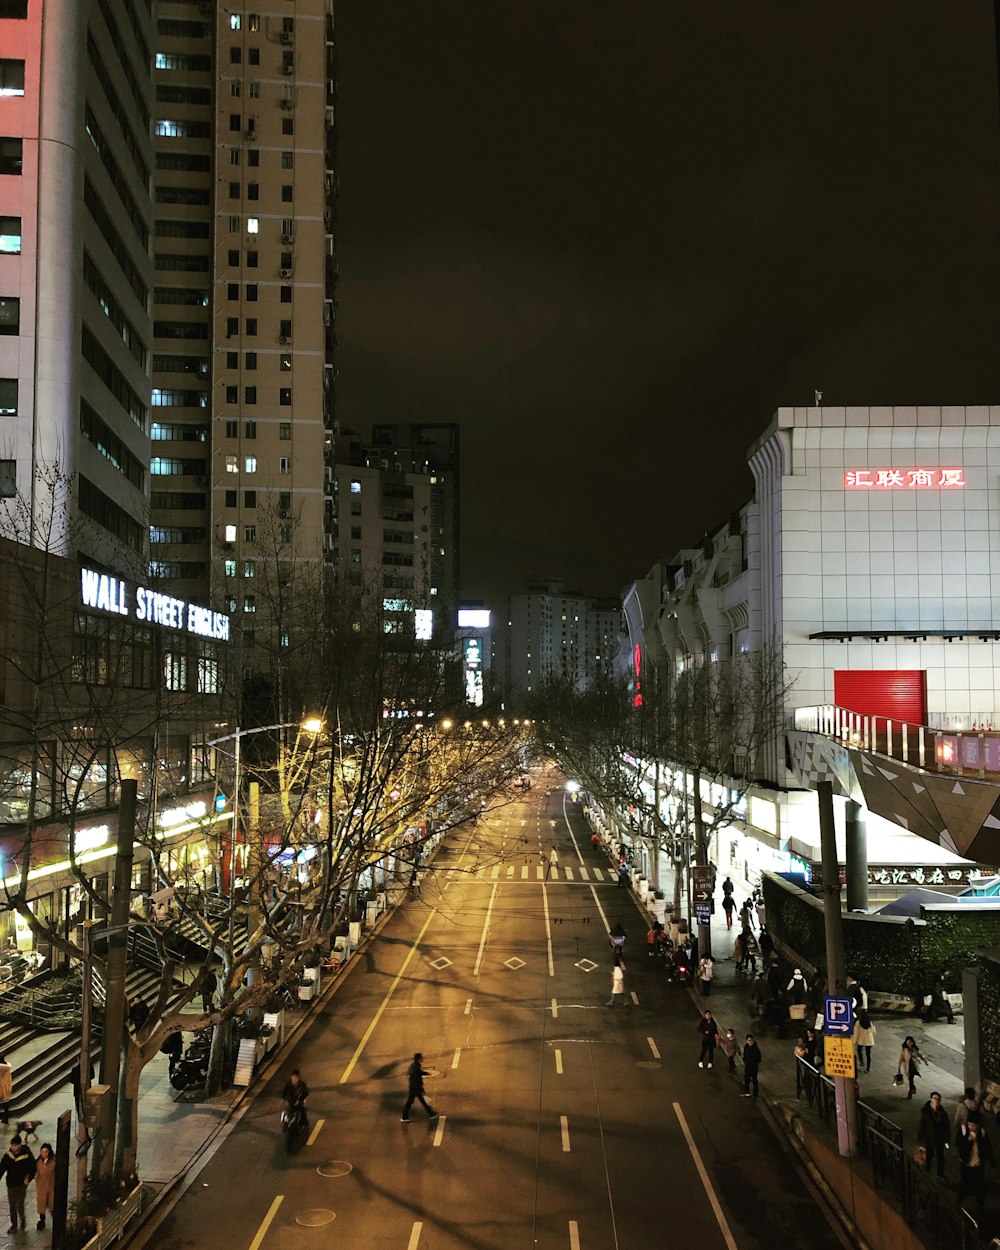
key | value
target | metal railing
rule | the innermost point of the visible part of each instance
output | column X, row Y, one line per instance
column 869, row 1121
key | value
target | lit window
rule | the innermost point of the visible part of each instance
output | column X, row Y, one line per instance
column 10, row 236
column 230, row 533
column 355, row 488
column 249, row 568
column 231, row 566
column 253, row 225
column 249, row 604
column 235, row 21
column 250, row 464
column 232, row 465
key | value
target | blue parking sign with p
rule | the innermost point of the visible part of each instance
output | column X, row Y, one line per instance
column 838, row 1016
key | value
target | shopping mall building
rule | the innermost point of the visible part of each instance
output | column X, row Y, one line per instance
column 866, row 557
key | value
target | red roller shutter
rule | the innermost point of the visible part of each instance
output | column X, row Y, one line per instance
column 897, row 693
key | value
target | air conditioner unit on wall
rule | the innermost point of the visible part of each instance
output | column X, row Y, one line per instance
column 286, row 37
column 286, row 69
column 286, row 238
column 284, row 339
column 286, row 273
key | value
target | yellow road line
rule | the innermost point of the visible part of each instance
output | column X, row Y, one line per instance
column 265, row 1223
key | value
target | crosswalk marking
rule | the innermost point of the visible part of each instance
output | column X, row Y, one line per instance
column 584, row 873
column 569, row 872
column 495, row 872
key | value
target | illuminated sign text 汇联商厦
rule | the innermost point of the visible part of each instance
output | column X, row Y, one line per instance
column 903, row 479
column 105, row 593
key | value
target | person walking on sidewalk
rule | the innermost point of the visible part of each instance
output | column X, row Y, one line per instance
column 553, row 864
column 933, row 1132
column 751, row 1066
column 617, row 982
column 729, row 1046
column 18, row 1168
column 415, row 1074
column 709, row 1031
column 6, row 1088
column 969, row 1104
column 864, row 1038
column 909, row 1057
column 728, row 906
column 45, row 1182
column 706, row 970
column 975, row 1153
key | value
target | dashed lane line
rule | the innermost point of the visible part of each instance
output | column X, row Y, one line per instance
column 265, row 1223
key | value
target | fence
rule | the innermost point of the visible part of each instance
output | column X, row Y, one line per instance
column 927, row 1208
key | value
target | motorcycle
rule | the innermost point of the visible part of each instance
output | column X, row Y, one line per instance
column 188, row 1073
column 293, row 1122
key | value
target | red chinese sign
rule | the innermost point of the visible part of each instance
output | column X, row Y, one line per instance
column 903, row 479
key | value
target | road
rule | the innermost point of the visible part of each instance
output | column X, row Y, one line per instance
column 564, row 1124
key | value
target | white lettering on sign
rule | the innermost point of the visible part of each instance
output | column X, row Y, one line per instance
column 903, row 479
column 110, row 594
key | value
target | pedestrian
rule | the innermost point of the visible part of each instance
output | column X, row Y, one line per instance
column 761, row 911
column 6, row 1088
column 728, row 906
column 746, row 916
column 617, row 936
column 209, row 984
column 45, row 1182
column 739, row 952
column 797, row 988
column 623, row 873
column 595, row 839
column 709, row 1031
column 864, row 1038
column 727, row 889
column 18, row 1166
column 774, row 979
column 751, row 1066
column 729, row 1046
column 173, row 1048
column 617, row 982
column 932, row 1134
column 138, row 1013
column 415, row 1074
column 553, row 863
column 858, row 995
column 759, row 995
column 749, row 953
column 766, row 944
column 970, row 1103
column 909, row 1057
column 975, row 1154
column 653, row 939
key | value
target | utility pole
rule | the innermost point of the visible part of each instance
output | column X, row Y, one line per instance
column 114, row 1003
column 845, row 1087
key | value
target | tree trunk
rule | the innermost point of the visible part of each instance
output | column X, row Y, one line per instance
column 217, row 1058
column 127, row 1135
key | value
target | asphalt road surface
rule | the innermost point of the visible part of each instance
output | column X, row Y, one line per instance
column 564, row 1124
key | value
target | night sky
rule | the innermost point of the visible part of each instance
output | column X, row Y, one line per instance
column 610, row 237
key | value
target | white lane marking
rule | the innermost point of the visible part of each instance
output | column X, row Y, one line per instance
column 584, row 872
column 510, row 871
column 559, row 1063
column 495, row 872
column 652, row 1047
column 439, row 1131
column 539, row 873
column 568, row 870
column 458, row 1055
column 486, row 929
column 572, row 835
column 635, row 998
column 597, row 904
column 713, row 1200
column 265, row 1223
column 524, row 872
column 574, row 1235
column 315, row 1133
column 548, row 930
column 564, row 1129
column 555, row 1010
column 415, row 1232
column 468, row 1007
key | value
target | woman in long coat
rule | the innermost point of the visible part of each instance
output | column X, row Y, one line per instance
column 45, row 1181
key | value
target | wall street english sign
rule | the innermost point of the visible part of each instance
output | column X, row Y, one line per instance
column 105, row 593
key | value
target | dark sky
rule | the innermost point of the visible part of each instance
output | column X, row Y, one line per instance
column 609, row 237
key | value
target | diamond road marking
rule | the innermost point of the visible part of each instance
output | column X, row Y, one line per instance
column 441, row 963
column 586, row 965
column 513, row 963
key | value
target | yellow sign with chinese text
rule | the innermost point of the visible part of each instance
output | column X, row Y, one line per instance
column 838, row 1056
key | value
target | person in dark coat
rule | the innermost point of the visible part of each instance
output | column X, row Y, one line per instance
column 751, row 1066
column 709, row 1031
column 933, row 1131
column 415, row 1074
column 138, row 1013
column 17, row 1166
column 975, row 1154
column 209, row 984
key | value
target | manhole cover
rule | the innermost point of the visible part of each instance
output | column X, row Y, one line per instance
column 513, row 963
column 441, row 963
column 586, row 965
column 315, row 1217
column 335, row 1167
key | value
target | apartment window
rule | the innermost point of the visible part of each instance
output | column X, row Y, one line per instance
column 250, row 464
column 285, row 329
column 233, row 290
column 284, row 502
column 234, row 257
column 253, row 258
column 232, row 429
column 234, row 224
column 10, row 315
column 249, row 603
column 230, row 567
column 250, row 429
column 235, row 122
column 250, row 534
column 285, row 534
column 232, row 327
column 230, row 533
column 8, row 479
column 232, row 394
column 253, row 56
column 287, row 126
column 286, row 294
column 286, row 362
column 355, row 533
column 232, row 464
column 10, row 236
column 355, row 507
column 288, row 25
column 253, row 22
column 250, row 395
column 286, row 260
column 355, row 556
column 234, row 194
column 284, row 464
column 8, row 397
column 11, row 77
column 285, row 431
column 249, row 568
column 253, row 191
column 253, row 157
column 255, row 90
column 235, row 21
column 251, row 327
column 251, row 292
column 253, row 225
column 251, row 360
column 235, row 56
column 286, row 193
column 234, row 89
column 11, row 155
column 249, row 499
column 231, row 503
column 286, row 160
column 355, row 488
column 285, row 396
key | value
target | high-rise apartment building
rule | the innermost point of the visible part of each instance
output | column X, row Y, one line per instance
column 243, row 370
column 75, row 275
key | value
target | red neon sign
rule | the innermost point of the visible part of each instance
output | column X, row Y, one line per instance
column 903, row 479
